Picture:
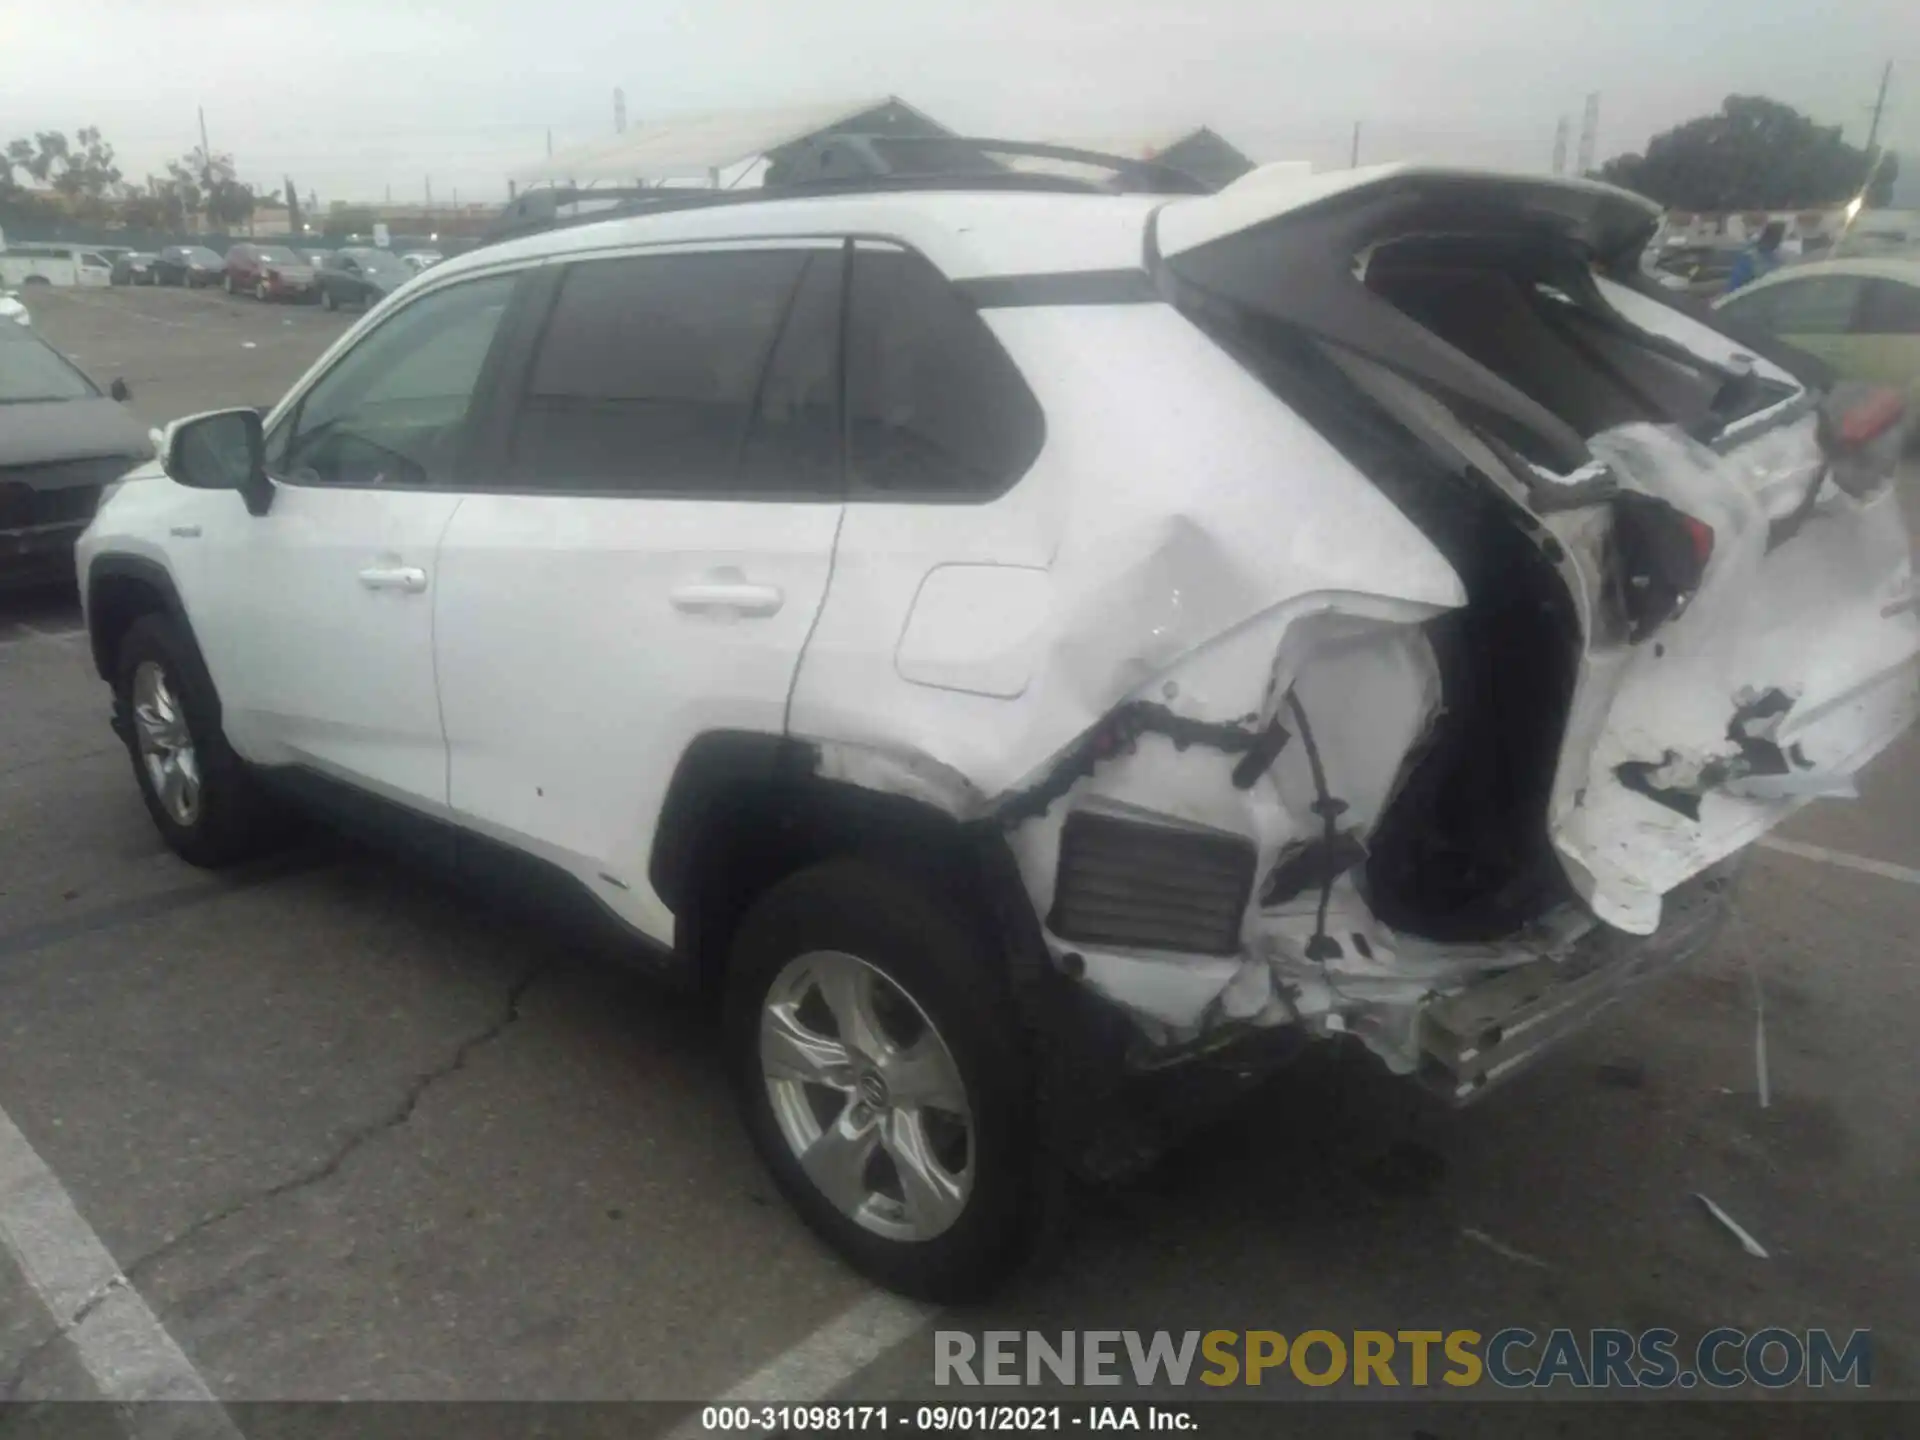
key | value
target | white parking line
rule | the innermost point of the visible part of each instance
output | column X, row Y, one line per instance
column 827, row 1358
column 1886, row 870
column 125, row 1349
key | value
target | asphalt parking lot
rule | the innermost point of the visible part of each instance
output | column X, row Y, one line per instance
column 348, row 1135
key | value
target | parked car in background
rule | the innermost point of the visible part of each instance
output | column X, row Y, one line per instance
column 1695, row 269
column 268, row 272
column 315, row 258
column 188, row 265
column 1860, row 316
column 43, row 264
column 361, row 276
column 133, row 267
column 62, row 441
column 420, row 260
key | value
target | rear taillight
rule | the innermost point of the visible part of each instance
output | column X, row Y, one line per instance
column 1701, row 534
column 1862, row 431
column 1659, row 556
column 1871, row 417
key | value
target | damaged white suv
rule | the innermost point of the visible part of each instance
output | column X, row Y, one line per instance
column 1024, row 645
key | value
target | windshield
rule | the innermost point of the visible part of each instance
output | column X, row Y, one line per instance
column 277, row 255
column 200, row 253
column 31, row 370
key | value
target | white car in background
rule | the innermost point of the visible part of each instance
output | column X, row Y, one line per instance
column 1025, row 647
column 418, row 260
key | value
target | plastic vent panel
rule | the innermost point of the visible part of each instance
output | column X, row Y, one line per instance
column 1151, row 887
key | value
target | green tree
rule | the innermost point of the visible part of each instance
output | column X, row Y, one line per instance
column 1753, row 154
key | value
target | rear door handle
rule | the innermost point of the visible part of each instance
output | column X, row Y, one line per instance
column 736, row 597
column 410, row 578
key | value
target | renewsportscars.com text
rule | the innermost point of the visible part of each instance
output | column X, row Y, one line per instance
column 1512, row 1358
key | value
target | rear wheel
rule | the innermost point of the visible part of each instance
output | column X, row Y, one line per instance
column 879, row 1068
column 206, row 805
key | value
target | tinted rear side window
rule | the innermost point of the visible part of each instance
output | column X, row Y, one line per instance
column 1891, row 308
column 1816, row 305
column 936, row 409
column 649, row 370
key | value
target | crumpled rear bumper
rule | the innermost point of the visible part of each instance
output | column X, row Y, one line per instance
column 1472, row 1040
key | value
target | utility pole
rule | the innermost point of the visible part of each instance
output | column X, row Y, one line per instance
column 1589, row 133
column 549, row 142
column 619, row 112
column 429, row 192
column 1879, row 105
column 1353, row 155
column 389, row 193
column 206, row 151
column 1560, row 147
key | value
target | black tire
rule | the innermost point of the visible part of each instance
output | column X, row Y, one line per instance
column 942, row 961
column 234, row 821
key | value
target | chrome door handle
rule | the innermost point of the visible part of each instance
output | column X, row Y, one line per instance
column 735, row 596
column 409, row 578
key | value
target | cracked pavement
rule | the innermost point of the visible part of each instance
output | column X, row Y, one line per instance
column 354, row 1135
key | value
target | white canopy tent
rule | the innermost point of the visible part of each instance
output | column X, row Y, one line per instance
column 702, row 147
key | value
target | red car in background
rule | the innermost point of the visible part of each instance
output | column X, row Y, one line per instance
column 269, row 272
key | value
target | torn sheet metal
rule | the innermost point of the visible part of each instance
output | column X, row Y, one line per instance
column 1781, row 678
column 1161, row 672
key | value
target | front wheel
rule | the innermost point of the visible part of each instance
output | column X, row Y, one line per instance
column 882, row 1078
column 207, row 807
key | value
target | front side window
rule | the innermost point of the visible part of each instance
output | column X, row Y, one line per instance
column 936, row 408
column 391, row 412
column 649, row 370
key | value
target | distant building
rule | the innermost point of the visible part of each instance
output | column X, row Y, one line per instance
column 733, row 144
column 1205, row 155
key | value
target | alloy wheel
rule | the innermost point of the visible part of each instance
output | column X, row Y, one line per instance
column 166, row 744
column 867, row 1096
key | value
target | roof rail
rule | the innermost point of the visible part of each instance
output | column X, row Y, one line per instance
column 854, row 164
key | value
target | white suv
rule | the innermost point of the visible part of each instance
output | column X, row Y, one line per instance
column 1026, row 648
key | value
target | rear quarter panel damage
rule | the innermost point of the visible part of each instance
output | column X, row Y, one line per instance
column 1182, row 542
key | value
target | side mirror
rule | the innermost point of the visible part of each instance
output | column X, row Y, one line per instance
column 120, row 390
column 224, row 450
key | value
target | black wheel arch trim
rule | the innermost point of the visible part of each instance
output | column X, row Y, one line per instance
column 150, row 575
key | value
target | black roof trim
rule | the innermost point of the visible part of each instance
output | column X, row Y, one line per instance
column 857, row 165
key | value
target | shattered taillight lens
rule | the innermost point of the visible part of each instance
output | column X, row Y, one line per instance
column 1659, row 554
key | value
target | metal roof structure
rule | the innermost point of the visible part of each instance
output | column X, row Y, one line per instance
column 693, row 147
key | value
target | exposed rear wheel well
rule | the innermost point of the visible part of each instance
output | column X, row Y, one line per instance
column 746, row 811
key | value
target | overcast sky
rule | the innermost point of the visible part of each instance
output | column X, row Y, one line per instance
column 351, row 97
